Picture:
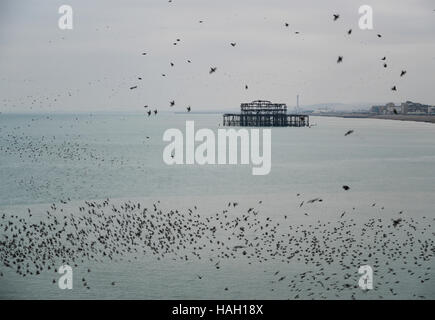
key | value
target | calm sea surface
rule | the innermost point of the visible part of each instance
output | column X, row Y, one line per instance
column 68, row 159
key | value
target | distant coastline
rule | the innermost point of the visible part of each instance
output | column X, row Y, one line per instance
column 417, row 118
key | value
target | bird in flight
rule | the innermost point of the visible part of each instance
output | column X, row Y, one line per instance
column 394, row 88
column 346, row 187
column 212, row 70
column 188, row 109
column 172, row 103
column 396, row 222
column 349, row 32
column 348, row 133
column 403, row 73
column 340, row 59
column 233, row 44
column 336, row 16
column 134, row 87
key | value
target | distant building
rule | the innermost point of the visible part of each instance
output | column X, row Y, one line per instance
column 376, row 109
column 389, row 108
column 407, row 107
column 415, row 108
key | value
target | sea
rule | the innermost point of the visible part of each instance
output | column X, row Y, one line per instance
column 66, row 161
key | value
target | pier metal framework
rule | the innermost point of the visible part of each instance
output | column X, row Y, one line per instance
column 262, row 113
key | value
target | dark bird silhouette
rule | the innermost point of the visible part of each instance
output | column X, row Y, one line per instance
column 348, row 132
column 188, row 109
column 134, row 87
column 394, row 88
column 396, row 222
column 212, row 70
column 340, row 59
column 379, row 35
column 349, row 32
column 172, row 103
column 336, row 16
column 402, row 73
column 345, row 187
column 233, row 44
column 286, row 24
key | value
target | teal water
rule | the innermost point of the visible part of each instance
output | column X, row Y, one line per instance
column 99, row 156
column 47, row 159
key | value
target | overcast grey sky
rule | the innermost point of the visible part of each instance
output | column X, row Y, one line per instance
column 91, row 67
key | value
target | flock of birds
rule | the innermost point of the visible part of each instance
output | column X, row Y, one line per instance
column 399, row 250
column 213, row 69
column 101, row 231
column 37, row 149
column 62, row 142
column 47, row 101
column 349, row 32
